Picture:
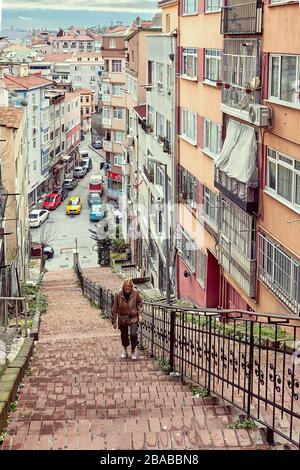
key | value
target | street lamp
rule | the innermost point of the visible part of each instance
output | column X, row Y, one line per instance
column 167, row 230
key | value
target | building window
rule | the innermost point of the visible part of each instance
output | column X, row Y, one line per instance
column 283, row 178
column 106, row 112
column 150, row 116
column 78, row 78
column 212, row 137
column 116, row 66
column 160, row 77
column 189, row 62
column 68, row 142
column 280, row 272
column 159, row 176
column 34, row 165
column 285, row 78
column 118, row 137
column 190, row 7
column 117, row 89
column 119, row 160
column 201, row 267
column 210, row 206
column 188, row 249
column 212, row 5
column 212, row 64
column 112, row 43
column 189, row 125
column 160, row 125
column 118, row 113
column 150, row 72
column 77, row 68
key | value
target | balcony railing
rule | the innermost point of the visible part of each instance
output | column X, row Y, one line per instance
column 107, row 145
column 244, row 196
column 242, row 17
column 149, row 174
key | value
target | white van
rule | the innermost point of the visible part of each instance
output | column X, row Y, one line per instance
column 84, row 153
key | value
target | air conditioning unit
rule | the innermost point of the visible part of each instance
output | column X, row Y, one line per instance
column 259, row 115
column 130, row 140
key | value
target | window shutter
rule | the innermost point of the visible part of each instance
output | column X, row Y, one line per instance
column 265, row 75
column 201, row 6
column 200, row 64
column 200, row 131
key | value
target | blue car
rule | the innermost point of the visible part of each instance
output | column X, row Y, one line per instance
column 97, row 213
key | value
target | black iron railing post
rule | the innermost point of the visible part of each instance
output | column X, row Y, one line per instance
column 172, row 338
column 152, row 332
column 209, row 353
column 250, row 372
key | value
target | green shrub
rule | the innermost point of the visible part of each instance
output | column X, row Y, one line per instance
column 163, row 365
column 243, row 423
column 200, row 391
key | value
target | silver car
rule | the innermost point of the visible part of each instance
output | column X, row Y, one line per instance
column 79, row 172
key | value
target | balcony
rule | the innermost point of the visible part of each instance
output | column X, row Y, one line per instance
column 242, row 17
column 236, row 172
column 107, row 145
column 243, row 195
column 237, row 247
column 106, row 99
column 125, row 169
column 241, row 76
column 149, row 174
column 106, row 123
column 45, row 104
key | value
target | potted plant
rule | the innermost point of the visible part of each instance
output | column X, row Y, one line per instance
column 227, row 86
column 218, row 82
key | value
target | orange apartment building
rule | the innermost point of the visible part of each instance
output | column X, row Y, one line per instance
column 113, row 107
column 87, row 105
column 239, row 154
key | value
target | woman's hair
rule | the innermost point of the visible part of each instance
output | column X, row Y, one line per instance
column 127, row 283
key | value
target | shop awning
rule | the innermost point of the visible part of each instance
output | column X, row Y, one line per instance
column 237, row 158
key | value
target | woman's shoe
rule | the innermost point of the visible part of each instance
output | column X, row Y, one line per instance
column 124, row 354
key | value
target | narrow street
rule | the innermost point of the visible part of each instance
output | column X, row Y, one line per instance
column 63, row 230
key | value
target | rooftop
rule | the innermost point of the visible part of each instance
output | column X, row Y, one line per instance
column 25, row 83
column 11, row 117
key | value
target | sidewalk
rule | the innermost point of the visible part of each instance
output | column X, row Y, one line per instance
column 81, row 395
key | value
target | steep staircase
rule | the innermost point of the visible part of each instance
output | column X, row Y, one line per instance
column 79, row 393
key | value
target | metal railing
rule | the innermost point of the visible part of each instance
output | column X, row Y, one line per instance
column 13, row 309
column 251, row 360
column 241, row 17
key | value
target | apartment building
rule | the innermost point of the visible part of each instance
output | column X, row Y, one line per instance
column 87, row 106
column 113, row 107
column 135, row 113
column 238, row 155
column 55, row 135
column 199, row 143
column 72, row 129
column 14, row 172
column 85, row 71
column 30, row 91
column 76, row 43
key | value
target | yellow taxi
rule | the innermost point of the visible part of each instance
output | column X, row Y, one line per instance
column 74, row 206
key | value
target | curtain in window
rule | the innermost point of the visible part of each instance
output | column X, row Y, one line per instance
column 285, row 182
column 237, row 158
column 288, row 78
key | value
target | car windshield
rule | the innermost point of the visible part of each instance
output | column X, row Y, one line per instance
column 96, row 200
column 96, row 207
column 67, row 182
column 33, row 216
column 73, row 202
column 50, row 199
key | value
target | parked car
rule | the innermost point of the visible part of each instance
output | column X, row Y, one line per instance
column 37, row 217
column 96, row 183
column 97, row 144
column 97, row 213
column 36, row 250
column 86, row 163
column 52, row 201
column 73, row 206
column 70, row 183
column 79, row 172
column 62, row 191
column 94, row 198
column 84, row 153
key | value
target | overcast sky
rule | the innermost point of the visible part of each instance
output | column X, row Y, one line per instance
column 43, row 13
column 143, row 6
